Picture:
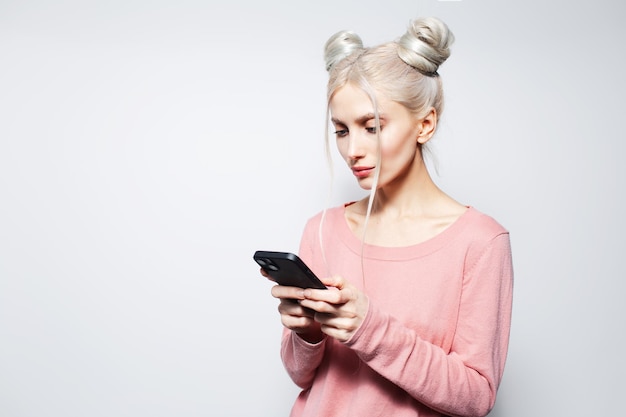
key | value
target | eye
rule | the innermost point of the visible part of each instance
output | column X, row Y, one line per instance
column 372, row 129
column 341, row 133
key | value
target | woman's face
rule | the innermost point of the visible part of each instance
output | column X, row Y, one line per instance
column 353, row 117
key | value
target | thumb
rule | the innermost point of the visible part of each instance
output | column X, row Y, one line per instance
column 334, row 281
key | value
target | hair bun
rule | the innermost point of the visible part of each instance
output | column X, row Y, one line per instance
column 339, row 46
column 426, row 44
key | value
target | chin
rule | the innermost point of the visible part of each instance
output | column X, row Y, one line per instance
column 367, row 183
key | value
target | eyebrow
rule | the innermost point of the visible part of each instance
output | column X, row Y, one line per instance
column 362, row 119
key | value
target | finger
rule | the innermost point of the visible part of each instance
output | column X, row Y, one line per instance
column 336, row 333
column 284, row 292
column 293, row 308
column 332, row 295
column 334, row 281
column 321, row 307
column 297, row 323
column 341, row 328
column 331, row 321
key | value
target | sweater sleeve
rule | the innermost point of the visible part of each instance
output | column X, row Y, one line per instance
column 463, row 381
column 301, row 358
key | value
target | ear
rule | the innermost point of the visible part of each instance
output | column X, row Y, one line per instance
column 427, row 127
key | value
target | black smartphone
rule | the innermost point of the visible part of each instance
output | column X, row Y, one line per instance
column 287, row 269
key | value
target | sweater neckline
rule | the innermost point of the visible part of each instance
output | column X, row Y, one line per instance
column 426, row 247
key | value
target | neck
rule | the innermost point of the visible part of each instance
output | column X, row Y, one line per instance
column 414, row 194
column 407, row 198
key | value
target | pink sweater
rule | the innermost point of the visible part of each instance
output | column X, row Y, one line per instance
column 435, row 338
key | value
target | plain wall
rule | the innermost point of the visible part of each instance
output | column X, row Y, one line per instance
column 147, row 148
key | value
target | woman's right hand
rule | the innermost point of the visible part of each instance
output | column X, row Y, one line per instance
column 293, row 316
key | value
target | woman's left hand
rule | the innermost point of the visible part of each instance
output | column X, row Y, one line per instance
column 339, row 310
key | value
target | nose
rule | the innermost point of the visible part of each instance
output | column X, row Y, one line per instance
column 356, row 147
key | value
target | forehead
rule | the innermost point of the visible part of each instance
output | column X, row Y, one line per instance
column 350, row 99
column 351, row 102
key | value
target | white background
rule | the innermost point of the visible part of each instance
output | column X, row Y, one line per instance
column 147, row 148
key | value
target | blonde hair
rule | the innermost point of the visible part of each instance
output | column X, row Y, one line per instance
column 404, row 71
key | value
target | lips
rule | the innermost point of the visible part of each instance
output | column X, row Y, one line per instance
column 362, row 172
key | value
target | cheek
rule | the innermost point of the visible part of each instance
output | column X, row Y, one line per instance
column 399, row 149
column 342, row 147
column 398, row 156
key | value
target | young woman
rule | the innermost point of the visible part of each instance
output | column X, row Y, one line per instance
column 416, row 319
